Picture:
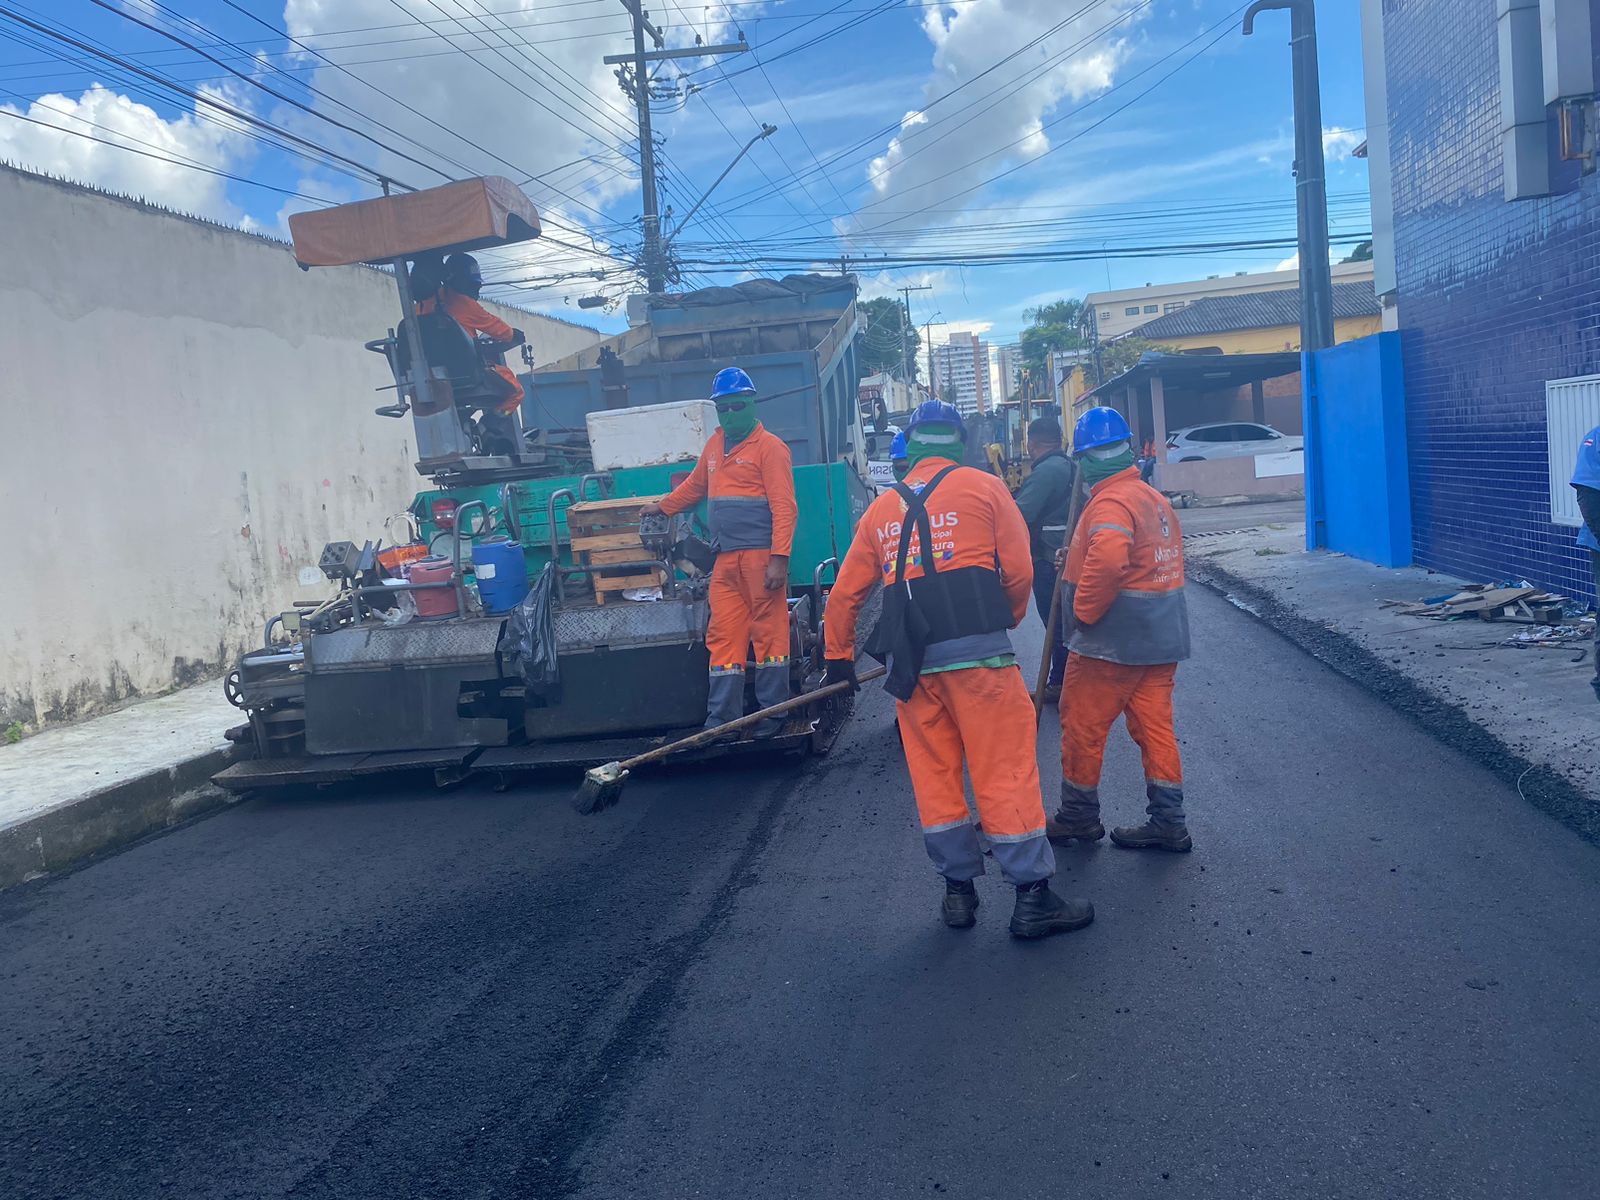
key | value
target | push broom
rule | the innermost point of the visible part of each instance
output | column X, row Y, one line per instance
column 602, row 786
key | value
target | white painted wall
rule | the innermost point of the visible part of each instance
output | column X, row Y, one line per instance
column 185, row 418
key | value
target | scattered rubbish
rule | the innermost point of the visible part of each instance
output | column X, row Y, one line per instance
column 1489, row 602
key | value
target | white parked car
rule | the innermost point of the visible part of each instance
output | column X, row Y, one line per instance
column 1228, row 439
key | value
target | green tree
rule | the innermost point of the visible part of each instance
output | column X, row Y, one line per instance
column 1053, row 326
column 1124, row 353
column 880, row 346
column 1362, row 253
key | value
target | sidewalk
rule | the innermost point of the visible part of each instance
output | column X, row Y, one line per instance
column 69, row 793
column 1527, row 713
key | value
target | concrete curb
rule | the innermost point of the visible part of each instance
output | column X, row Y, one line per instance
column 1545, row 788
column 111, row 818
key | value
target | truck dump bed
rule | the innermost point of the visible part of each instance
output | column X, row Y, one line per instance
column 795, row 336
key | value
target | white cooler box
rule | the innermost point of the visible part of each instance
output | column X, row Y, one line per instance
column 650, row 435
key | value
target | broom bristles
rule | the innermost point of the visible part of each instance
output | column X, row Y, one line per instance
column 601, row 788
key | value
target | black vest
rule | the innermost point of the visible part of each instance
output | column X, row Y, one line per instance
column 938, row 607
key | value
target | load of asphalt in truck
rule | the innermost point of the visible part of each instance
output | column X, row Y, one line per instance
column 534, row 523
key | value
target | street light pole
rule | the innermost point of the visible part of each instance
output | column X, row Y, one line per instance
column 1311, row 188
column 766, row 132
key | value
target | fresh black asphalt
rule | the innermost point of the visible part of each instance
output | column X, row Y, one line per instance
column 1376, row 976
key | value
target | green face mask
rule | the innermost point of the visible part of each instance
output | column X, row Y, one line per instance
column 737, row 416
column 1096, row 469
column 933, row 440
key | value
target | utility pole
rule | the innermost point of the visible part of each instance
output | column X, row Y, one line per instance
column 1310, row 172
column 906, row 324
column 636, row 83
column 927, row 336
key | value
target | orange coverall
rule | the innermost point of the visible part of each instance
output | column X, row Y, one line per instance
column 752, row 511
column 475, row 318
column 1129, row 629
column 970, row 705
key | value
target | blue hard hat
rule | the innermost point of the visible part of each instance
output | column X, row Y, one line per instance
column 897, row 447
column 937, row 411
column 1100, row 427
column 731, row 381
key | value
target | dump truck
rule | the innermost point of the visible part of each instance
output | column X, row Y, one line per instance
column 414, row 661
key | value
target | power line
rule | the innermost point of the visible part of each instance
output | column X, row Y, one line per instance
column 176, row 162
column 274, row 93
column 230, row 110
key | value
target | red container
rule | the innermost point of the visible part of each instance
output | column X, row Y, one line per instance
column 433, row 603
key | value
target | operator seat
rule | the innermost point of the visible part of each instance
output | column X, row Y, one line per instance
column 450, row 347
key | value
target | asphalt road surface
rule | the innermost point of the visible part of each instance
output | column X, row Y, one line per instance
column 1377, row 976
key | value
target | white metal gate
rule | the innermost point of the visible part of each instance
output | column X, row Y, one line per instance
column 1571, row 409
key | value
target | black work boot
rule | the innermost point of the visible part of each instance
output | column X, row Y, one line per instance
column 960, row 907
column 1166, row 828
column 1040, row 912
column 1059, row 828
column 1151, row 836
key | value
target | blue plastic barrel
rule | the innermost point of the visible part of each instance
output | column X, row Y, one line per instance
column 502, row 573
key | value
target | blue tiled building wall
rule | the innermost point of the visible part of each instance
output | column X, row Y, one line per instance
column 1495, row 297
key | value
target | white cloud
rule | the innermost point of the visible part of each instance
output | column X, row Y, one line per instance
column 998, row 119
column 1338, row 142
column 1292, row 263
column 60, row 145
column 523, row 104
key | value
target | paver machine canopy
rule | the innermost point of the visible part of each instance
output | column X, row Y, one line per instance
column 439, row 368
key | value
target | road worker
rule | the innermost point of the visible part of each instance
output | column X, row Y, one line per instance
column 1586, row 482
column 458, row 295
column 746, row 472
column 1127, row 629
column 952, row 552
column 1045, row 499
column 898, row 462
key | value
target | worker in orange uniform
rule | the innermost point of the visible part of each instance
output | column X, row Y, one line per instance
column 462, row 285
column 1127, row 630
column 746, row 472
column 952, row 552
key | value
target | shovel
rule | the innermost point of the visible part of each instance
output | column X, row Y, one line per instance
column 602, row 786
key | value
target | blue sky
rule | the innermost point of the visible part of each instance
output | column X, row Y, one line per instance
column 913, row 129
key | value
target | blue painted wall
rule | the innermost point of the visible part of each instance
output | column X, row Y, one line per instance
column 1495, row 297
column 1358, row 498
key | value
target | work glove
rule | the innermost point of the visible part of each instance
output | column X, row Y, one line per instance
column 841, row 670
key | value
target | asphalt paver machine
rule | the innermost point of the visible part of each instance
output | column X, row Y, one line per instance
column 407, row 664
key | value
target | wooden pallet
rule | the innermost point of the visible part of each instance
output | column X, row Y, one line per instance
column 606, row 532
